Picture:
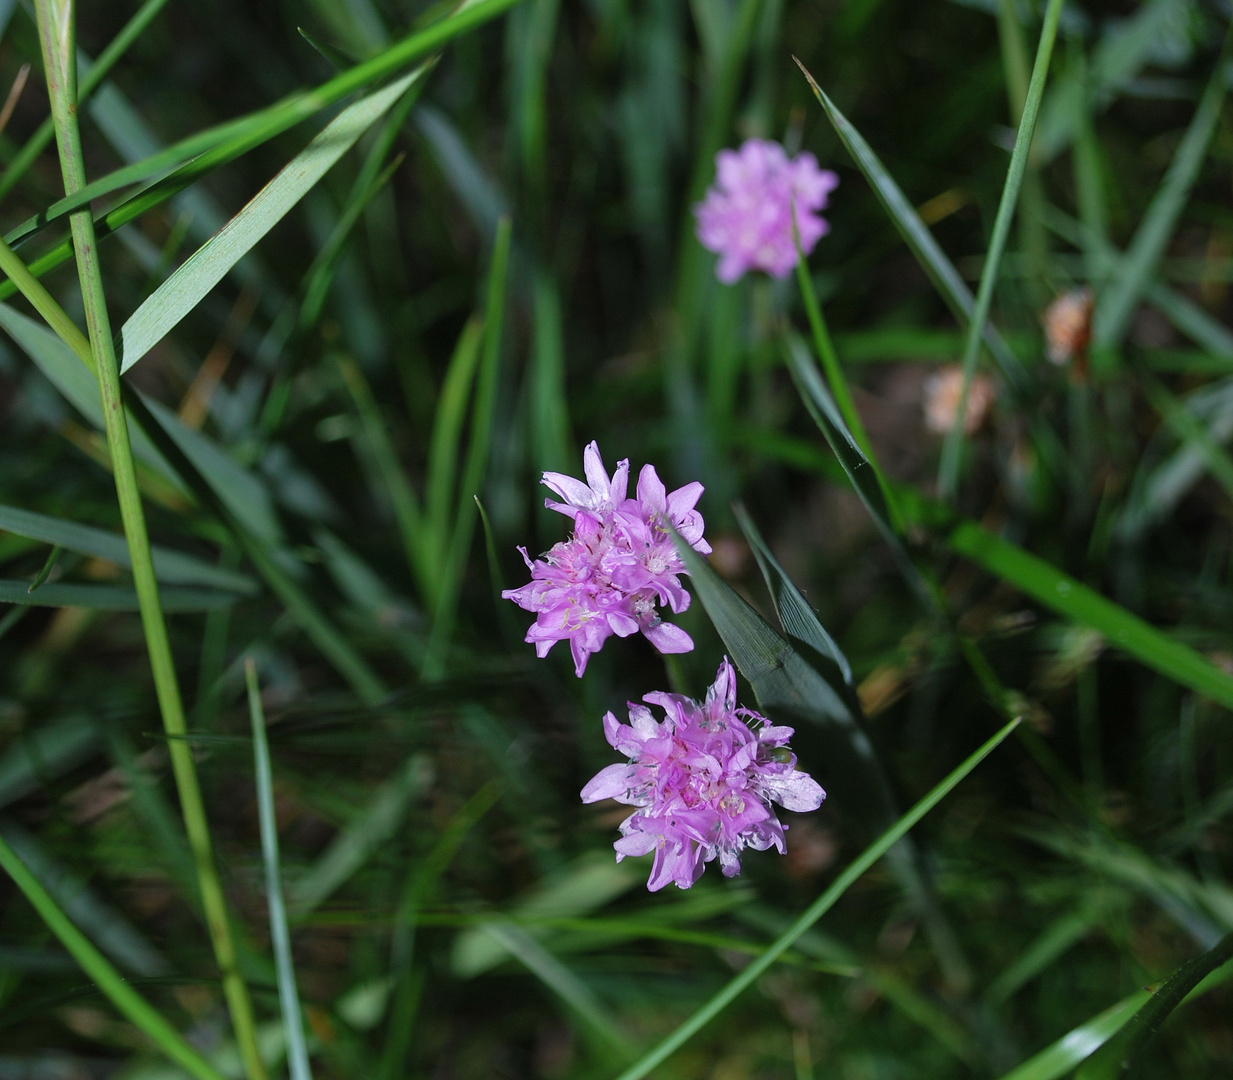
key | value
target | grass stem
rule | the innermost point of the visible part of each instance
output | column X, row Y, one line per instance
column 56, row 22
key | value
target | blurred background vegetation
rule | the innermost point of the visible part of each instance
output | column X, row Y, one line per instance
column 455, row 910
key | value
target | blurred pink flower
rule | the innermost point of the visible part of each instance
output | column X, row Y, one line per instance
column 747, row 214
column 942, row 391
column 703, row 781
column 618, row 567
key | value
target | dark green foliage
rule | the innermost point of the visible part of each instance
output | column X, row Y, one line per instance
column 499, row 269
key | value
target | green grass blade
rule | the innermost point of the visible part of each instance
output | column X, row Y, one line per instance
column 798, row 619
column 813, row 913
column 372, row 827
column 550, row 425
column 483, row 415
column 952, row 447
column 288, row 996
column 864, row 476
column 444, row 449
column 45, row 753
column 209, row 264
column 109, row 597
column 1120, row 1056
column 939, row 269
column 1059, row 1058
column 575, row 994
column 95, row 73
column 1117, row 303
column 242, row 136
column 134, row 1007
column 1076, row 601
column 110, row 931
column 826, row 353
column 172, row 567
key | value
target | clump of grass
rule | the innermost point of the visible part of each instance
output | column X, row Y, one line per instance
column 371, row 275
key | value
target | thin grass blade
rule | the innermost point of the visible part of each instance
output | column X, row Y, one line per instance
column 134, row 1007
column 952, row 447
column 288, row 996
column 940, row 270
column 372, row 827
column 1117, row 303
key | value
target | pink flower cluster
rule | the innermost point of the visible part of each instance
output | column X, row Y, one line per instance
column 619, row 565
column 703, row 781
column 747, row 214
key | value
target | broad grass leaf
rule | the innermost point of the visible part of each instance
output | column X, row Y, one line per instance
column 209, row 264
column 825, row 412
column 1072, row 599
column 798, row 619
column 171, row 567
column 110, row 597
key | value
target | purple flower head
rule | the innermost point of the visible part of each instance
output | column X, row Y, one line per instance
column 618, row 568
column 703, row 780
column 746, row 216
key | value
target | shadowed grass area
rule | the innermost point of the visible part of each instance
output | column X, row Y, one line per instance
column 369, row 268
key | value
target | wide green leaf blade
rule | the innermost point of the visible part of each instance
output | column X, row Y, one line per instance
column 209, row 264
column 109, row 597
column 1076, row 601
column 171, row 567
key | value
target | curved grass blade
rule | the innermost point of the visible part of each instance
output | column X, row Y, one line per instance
column 813, row 913
column 1117, row 303
column 865, row 479
column 134, row 1007
column 1120, row 1056
column 952, row 447
column 109, row 929
column 288, row 996
column 172, row 567
column 209, row 264
column 939, row 269
column 1076, row 601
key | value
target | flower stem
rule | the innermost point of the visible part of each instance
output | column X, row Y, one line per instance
column 56, row 23
column 826, row 353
